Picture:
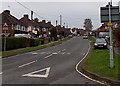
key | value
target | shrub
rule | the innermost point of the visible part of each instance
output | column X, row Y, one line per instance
column 34, row 42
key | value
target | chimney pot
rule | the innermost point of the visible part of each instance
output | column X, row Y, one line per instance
column 26, row 16
column 43, row 21
column 7, row 11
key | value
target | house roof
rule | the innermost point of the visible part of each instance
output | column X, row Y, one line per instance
column 9, row 19
column 26, row 20
column 49, row 25
column 44, row 24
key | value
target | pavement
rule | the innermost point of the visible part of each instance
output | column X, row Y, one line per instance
column 52, row 65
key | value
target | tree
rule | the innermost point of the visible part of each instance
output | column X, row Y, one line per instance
column 53, row 32
column 88, row 24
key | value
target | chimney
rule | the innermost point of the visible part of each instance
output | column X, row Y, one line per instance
column 7, row 12
column 44, row 21
column 36, row 19
column 49, row 22
column 26, row 16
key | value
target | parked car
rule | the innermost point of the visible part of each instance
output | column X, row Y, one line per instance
column 85, row 36
column 70, row 36
column 100, row 43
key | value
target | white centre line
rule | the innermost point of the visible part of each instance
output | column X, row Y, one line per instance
column 48, row 56
column 27, row 64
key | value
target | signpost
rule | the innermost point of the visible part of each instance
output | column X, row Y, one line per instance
column 114, row 12
column 109, row 15
column 5, row 27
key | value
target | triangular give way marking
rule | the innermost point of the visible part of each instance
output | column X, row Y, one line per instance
column 34, row 75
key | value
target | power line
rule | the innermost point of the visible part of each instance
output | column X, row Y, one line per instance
column 30, row 10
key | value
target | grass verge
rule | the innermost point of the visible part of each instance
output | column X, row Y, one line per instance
column 99, row 63
column 9, row 53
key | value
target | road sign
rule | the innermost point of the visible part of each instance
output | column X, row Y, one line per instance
column 5, row 26
column 109, row 24
column 115, row 16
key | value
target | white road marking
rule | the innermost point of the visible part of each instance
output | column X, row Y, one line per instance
column 83, row 53
column 63, row 49
column 32, row 74
column 58, row 51
column 68, row 53
column 27, row 64
column 34, row 53
column 48, row 56
column 1, row 73
column 54, row 53
column 63, row 53
column 84, row 74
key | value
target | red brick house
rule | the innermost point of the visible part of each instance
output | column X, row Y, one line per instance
column 13, row 24
column 45, row 28
column 27, row 22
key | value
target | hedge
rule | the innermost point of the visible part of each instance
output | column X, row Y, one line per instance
column 19, row 42
column 34, row 42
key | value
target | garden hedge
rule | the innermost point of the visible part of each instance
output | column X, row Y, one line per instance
column 19, row 42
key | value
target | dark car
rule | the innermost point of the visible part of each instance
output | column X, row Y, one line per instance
column 100, row 43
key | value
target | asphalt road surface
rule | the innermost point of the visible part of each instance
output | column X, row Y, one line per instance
column 52, row 65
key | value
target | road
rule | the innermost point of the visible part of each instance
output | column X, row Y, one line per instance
column 52, row 65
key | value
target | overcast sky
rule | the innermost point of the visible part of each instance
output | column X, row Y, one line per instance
column 73, row 13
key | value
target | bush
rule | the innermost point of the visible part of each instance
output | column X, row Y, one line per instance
column 34, row 42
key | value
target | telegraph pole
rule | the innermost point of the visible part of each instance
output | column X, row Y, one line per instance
column 60, row 20
column 111, row 36
column 31, row 15
column 56, row 22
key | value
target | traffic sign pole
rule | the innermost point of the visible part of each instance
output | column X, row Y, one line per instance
column 111, row 43
column 5, row 27
column 5, row 42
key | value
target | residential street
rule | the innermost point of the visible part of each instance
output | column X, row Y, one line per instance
column 58, row 64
